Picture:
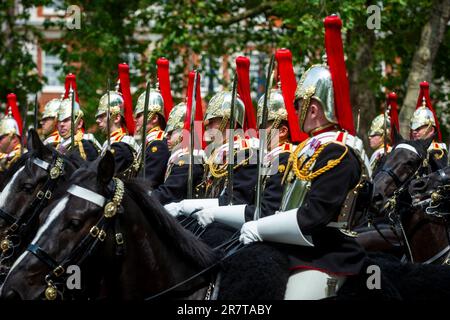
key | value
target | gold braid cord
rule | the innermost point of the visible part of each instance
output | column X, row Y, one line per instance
column 220, row 170
column 79, row 144
column 302, row 169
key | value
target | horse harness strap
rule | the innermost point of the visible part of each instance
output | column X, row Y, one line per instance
column 89, row 243
column 55, row 170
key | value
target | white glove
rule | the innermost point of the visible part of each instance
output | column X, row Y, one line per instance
column 282, row 228
column 173, row 208
column 205, row 216
column 233, row 216
column 249, row 232
column 186, row 207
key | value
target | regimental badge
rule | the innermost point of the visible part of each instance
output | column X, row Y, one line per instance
column 281, row 168
column 181, row 163
column 154, row 149
column 313, row 146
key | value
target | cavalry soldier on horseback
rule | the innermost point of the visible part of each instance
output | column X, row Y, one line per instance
column 381, row 133
column 49, row 122
column 322, row 182
column 214, row 191
column 156, row 150
column 123, row 146
column 278, row 146
column 85, row 145
column 10, row 135
column 379, row 140
column 175, row 188
column 424, row 125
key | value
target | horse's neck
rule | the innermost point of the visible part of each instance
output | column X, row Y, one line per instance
column 426, row 235
column 148, row 266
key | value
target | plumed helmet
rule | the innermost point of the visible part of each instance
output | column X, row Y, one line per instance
column 377, row 126
column 316, row 84
column 176, row 117
column 276, row 108
column 155, row 103
column 220, row 107
column 65, row 110
column 9, row 126
column 116, row 104
column 422, row 116
column 51, row 108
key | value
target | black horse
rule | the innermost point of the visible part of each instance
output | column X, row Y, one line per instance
column 80, row 230
column 128, row 247
column 28, row 187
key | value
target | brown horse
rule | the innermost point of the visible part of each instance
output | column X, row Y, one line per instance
column 396, row 223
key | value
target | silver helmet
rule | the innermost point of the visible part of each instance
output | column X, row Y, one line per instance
column 423, row 116
column 155, row 103
column 377, row 126
column 65, row 110
column 9, row 126
column 316, row 83
column 51, row 108
column 276, row 108
column 176, row 117
column 220, row 107
column 116, row 104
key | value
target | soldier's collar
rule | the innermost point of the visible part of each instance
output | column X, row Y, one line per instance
column 322, row 129
column 156, row 128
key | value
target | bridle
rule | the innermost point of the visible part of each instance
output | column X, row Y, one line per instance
column 391, row 205
column 89, row 242
column 434, row 205
column 17, row 225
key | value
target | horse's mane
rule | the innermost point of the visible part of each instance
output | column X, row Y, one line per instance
column 169, row 229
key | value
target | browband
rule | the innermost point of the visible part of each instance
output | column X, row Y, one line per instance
column 41, row 163
column 86, row 194
column 407, row 147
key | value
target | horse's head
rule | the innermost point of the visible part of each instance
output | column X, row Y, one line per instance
column 405, row 159
column 69, row 229
column 430, row 189
column 28, row 187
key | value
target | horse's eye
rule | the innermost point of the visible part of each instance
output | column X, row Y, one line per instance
column 75, row 224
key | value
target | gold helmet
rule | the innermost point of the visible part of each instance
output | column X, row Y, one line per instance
column 8, row 125
column 377, row 126
column 155, row 103
column 176, row 117
column 276, row 108
column 423, row 116
column 116, row 104
column 65, row 110
column 51, row 108
column 316, row 83
column 220, row 107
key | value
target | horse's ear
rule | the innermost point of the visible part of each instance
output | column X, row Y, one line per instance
column 105, row 169
column 34, row 143
column 397, row 136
